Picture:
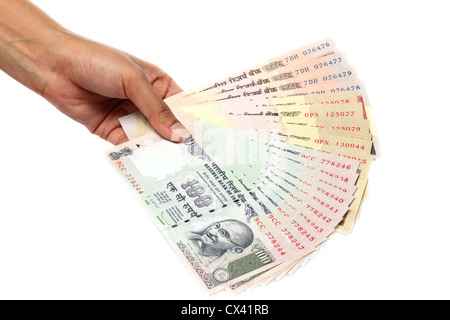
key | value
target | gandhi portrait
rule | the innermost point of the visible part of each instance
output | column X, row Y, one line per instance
column 219, row 238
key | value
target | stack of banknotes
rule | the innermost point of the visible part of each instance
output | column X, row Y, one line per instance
column 277, row 161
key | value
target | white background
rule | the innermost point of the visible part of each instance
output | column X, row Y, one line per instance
column 70, row 229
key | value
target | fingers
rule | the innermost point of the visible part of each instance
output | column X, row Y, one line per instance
column 140, row 91
column 117, row 136
column 161, row 81
column 110, row 129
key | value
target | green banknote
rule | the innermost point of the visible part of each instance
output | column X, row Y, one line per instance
column 206, row 216
column 207, row 197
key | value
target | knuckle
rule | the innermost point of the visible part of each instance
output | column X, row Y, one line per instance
column 163, row 112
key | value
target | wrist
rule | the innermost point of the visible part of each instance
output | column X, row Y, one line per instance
column 29, row 41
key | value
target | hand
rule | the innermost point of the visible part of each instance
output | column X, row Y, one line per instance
column 90, row 82
column 96, row 85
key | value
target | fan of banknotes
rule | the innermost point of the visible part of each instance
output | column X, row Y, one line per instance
column 277, row 161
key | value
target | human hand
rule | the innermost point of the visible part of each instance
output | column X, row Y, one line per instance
column 96, row 85
column 88, row 81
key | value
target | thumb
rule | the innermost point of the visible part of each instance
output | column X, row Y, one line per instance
column 140, row 91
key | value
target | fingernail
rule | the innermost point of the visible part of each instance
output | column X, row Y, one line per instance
column 179, row 132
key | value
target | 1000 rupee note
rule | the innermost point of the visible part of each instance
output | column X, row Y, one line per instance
column 305, row 53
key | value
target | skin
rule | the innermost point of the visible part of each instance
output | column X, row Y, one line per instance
column 90, row 82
